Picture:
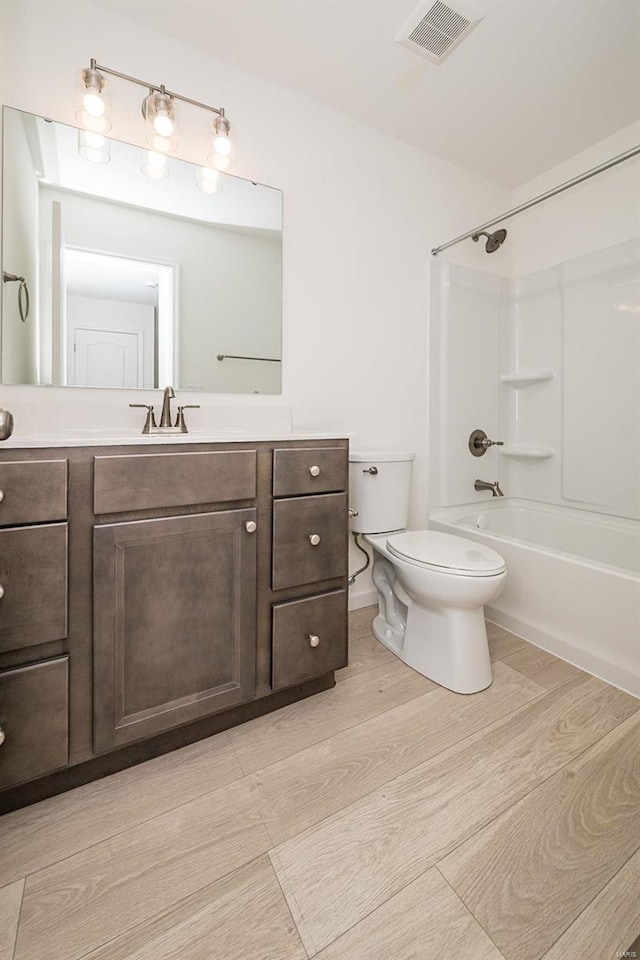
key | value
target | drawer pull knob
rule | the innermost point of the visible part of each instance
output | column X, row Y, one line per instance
column 1, row 495
column 251, row 526
column 314, row 539
column 314, row 471
column 2, row 736
column 1, row 591
column 314, row 640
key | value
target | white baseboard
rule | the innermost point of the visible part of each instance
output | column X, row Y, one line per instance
column 363, row 599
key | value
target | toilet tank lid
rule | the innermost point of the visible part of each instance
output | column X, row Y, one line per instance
column 382, row 456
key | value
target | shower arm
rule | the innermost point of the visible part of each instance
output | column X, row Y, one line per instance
column 627, row 155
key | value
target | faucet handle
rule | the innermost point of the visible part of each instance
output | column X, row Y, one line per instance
column 180, row 421
column 151, row 416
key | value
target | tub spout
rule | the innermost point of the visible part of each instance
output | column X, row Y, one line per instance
column 485, row 485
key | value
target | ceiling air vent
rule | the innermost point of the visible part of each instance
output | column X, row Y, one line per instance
column 436, row 28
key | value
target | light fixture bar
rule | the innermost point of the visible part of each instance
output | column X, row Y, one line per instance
column 219, row 111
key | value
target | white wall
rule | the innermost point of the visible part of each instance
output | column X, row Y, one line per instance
column 598, row 213
column 361, row 213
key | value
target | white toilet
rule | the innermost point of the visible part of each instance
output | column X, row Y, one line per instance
column 431, row 586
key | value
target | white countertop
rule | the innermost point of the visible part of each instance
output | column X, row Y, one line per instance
column 104, row 438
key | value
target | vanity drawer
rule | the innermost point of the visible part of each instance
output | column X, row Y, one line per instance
column 33, row 575
column 309, row 638
column 297, row 557
column 309, row 470
column 34, row 716
column 172, row 480
column 33, row 491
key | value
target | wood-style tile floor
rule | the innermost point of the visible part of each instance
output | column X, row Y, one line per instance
column 386, row 819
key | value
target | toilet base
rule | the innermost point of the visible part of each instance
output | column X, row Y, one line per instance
column 451, row 651
column 447, row 644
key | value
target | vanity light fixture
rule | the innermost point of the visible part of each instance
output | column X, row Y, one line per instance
column 158, row 109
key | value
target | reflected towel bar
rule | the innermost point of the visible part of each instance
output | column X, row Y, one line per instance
column 233, row 356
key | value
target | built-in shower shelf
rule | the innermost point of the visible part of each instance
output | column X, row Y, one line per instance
column 517, row 380
column 527, row 453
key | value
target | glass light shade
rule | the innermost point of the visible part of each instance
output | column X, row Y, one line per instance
column 163, row 124
column 222, row 145
column 94, row 147
column 155, row 165
column 92, row 98
column 161, row 144
column 158, row 111
column 209, row 180
column 93, row 102
column 220, row 163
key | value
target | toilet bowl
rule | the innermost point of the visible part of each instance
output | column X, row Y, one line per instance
column 432, row 586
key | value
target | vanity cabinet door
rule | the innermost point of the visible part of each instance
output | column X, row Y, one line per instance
column 174, row 622
column 33, row 585
column 309, row 539
column 309, row 470
column 34, row 719
column 309, row 638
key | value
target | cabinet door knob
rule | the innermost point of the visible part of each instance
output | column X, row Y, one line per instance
column 314, row 471
column 2, row 736
column 1, row 591
column 314, row 539
column 314, row 640
column 251, row 526
column 1, row 495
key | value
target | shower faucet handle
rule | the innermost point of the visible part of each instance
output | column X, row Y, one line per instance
column 479, row 443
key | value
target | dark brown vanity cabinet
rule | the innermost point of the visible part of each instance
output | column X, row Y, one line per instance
column 310, row 532
column 34, row 720
column 183, row 590
column 174, row 622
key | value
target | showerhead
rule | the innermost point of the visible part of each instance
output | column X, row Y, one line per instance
column 494, row 240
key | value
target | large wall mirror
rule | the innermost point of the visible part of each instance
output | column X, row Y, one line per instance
column 134, row 281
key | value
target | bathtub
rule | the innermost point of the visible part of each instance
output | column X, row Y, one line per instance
column 573, row 580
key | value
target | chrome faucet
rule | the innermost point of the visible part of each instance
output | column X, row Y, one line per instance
column 485, row 485
column 165, row 417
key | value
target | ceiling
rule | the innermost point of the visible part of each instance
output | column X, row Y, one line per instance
column 534, row 83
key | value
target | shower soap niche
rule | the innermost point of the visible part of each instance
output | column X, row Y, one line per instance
column 527, row 453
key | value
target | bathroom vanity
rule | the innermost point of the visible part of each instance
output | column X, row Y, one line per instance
column 156, row 593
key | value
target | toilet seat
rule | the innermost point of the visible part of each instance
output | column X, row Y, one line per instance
column 446, row 553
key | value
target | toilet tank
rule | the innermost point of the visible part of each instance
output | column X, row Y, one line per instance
column 379, row 489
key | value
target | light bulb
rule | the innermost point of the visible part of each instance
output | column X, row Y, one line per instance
column 94, row 147
column 93, row 102
column 161, row 144
column 163, row 124
column 155, row 165
column 222, row 145
column 209, row 180
column 220, row 163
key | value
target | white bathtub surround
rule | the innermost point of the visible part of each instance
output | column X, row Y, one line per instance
column 573, row 584
column 579, row 320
